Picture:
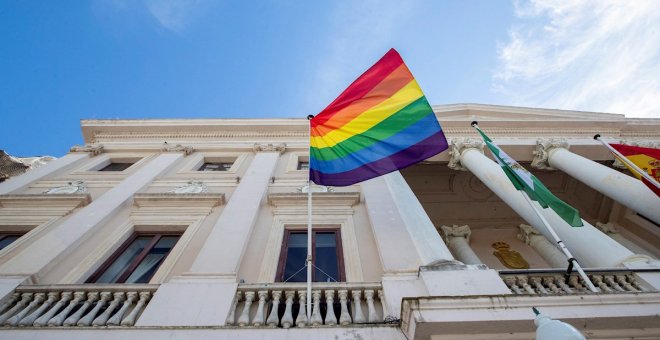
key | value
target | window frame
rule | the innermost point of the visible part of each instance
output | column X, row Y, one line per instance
column 339, row 252
column 4, row 234
column 156, row 236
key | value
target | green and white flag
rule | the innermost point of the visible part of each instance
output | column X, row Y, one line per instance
column 524, row 180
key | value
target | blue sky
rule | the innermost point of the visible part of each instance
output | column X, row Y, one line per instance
column 62, row 61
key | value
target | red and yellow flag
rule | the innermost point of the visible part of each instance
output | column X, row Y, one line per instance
column 647, row 159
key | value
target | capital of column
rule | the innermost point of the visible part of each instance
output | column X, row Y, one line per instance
column 92, row 149
column 187, row 150
column 460, row 145
column 527, row 233
column 641, row 143
column 280, row 147
column 456, row 231
column 542, row 151
column 608, row 228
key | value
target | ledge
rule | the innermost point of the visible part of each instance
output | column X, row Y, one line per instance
column 42, row 200
column 319, row 199
column 208, row 200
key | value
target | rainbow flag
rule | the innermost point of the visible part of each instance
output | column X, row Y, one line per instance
column 381, row 123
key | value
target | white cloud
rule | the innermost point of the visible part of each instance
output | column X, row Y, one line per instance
column 594, row 55
column 176, row 15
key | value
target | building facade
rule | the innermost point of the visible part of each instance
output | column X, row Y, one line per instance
column 196, row 228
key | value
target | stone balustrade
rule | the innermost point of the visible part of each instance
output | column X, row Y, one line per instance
column 284, row 305
column 75, row 305
column 553, row 282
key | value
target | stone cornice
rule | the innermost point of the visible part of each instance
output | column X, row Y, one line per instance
column 161, row 200
column 70, row 201
column 341, row 199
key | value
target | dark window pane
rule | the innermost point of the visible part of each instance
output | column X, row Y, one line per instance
column 295, row 258
column 116, row 166
column 303, row 165
column 7, row 240
column 327, row 266
column 121, row 263
column 148, row 266
column 215, row 166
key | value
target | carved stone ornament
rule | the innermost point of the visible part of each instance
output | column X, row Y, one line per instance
column 192, row 187
column 456, row 231
column 75, row 187
column 508, row 257
column 542, row 151
column 644, row 144
column 93, row 149
column 315, row 188
column 280, row 147
column 187, row 150
column 527, row 232
column 608, row 228
column 460, row 145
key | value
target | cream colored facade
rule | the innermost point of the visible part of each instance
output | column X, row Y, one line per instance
column 417, row 245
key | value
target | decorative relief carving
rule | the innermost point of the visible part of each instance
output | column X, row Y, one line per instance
column 187, row 150
column 280, row 147
column 527, row 232
column 542, row 151
column 460, row 145
column 75, row 187
column 509, row 257
column 608, row 228
column 93, row 149
column 192, row 187
column 456, row 231
column 315, row 188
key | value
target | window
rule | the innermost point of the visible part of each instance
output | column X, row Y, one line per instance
column 326, row 256
column 8, row 238
column 303, row 165
column 137, row 260
column 215, row 166
column 116, row 166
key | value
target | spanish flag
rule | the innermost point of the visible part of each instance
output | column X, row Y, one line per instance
column 647, row 159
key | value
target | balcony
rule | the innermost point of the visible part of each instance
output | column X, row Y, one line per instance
column 284, row 305
column 75, row 305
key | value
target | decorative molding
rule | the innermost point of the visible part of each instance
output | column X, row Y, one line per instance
column 66, row 201
column 315, row 188
column 460, row 145
column 321, row 200
column 92, row 149
column 183, row 201
column 608, row 228
column 262, row 147
column 527, row 233
column 191, row 187
column 456, row 231
column 543, row 148
column 73, row 187
column 187, row 150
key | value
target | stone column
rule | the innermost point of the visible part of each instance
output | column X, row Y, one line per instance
column 458, row 240
column 204, row 295
column 63, row 239
column 587, row 244
column 612, row 231
column 548, row 251
column 627, row 190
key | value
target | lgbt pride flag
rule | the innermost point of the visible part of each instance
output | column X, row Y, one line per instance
column 381, row 123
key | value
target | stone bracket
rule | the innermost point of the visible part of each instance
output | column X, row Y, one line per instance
column 280, row 147
column 542, row 151
column 460, row 145
column 92, row 149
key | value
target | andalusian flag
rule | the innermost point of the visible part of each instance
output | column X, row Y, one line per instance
column 381, row 123
column 647, row 159
column 524, row 180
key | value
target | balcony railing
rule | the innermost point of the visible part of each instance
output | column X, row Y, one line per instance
column 284, row 305
column 75, row 305
column 553, row 282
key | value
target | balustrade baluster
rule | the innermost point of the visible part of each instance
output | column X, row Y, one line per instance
column 358, row 315
column 129, row 320
column 244, row 319
column 115, row 320
column 316, row 310
column 43, row 320
column 536, row 281
column 330, row 317
column 549, row 281
column 273, row 318
column 87, row 319
column 510, row 281
column 559, row 280
column 287, row 319
column 59, row 318
column 574, row 281
column 25, row 299
column 598, row 281
column 259, row 317
column 522, row 281
column 373, row 315
column 12, row 299
column 609, row 279
column 301, row 320
column 383, row 303
column 28, row 320
column 631, row 278
column 92, row 297
column 103, row 318
column 344, row 317
column 38, row 298
column 231, row 319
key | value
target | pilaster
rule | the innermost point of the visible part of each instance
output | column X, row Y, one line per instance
column 458, row 240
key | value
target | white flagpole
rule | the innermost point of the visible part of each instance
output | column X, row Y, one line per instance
column 624, row 159
column 571, row 260
column 309, row 226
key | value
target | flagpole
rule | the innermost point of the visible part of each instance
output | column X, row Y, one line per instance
column 572, row 262
column 309, row 226
column 624, row 159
